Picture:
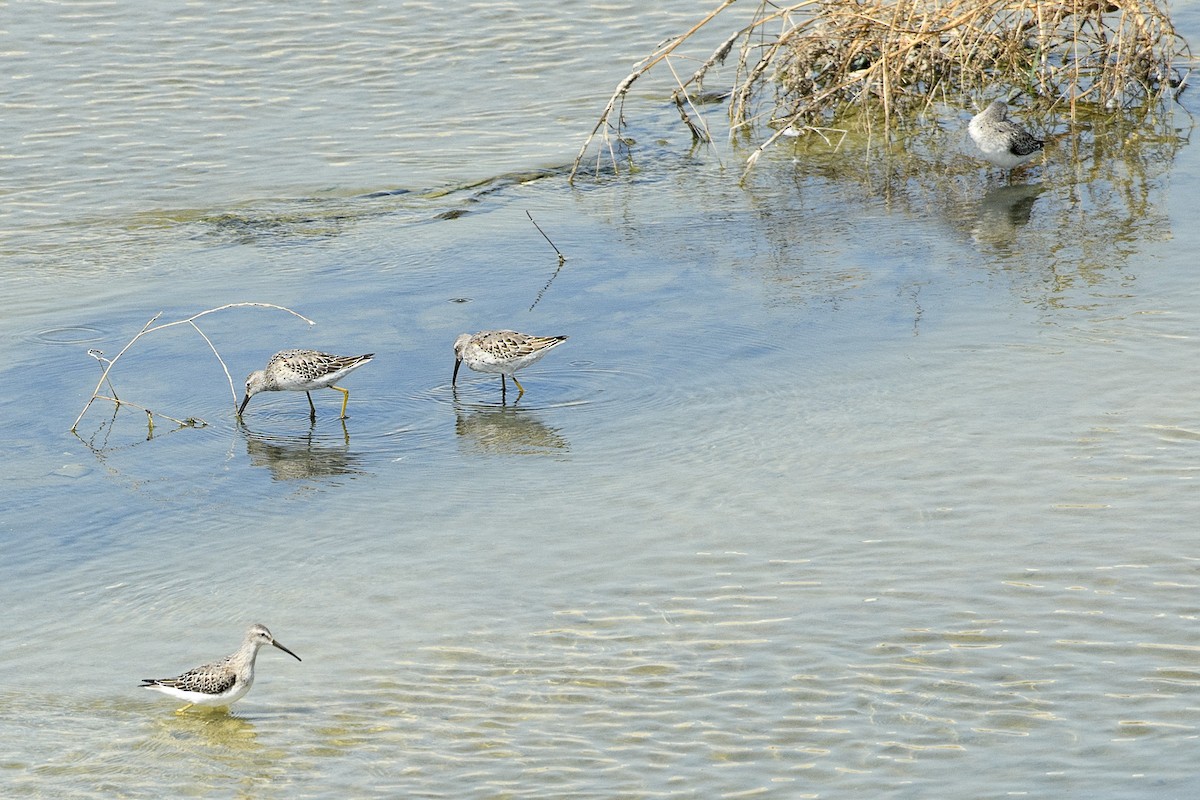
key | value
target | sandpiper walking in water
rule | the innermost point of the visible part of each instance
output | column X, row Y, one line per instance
column 1000, row 140
column 303, row 371
column 502, row 352
column 221, row 683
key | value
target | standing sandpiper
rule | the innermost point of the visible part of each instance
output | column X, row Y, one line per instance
column 303, row 371
column 502, row 352
column 1000, row 140
column 221, row 683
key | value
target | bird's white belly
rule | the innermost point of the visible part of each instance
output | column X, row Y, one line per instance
column 486, row 362
column 1003, row 157
column 228, row 697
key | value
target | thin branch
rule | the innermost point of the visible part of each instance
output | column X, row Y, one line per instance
column 717, row 57
column 561, row 261
column 99, row 356
column 700, row 133
column 228, row 377
column 561, row 257
column 638, row 72
column 108, row 369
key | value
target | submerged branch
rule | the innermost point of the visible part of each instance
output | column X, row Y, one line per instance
column 190, row 422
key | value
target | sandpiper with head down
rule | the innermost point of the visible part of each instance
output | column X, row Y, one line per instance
column 303, row 371
column 221, row 683
column 502, row 352
column 1000, row 140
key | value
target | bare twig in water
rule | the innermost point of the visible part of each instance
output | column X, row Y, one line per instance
column 623, row 87
column 190, row 422
column 700, row 132
column 150, row 327
column 104, row 362
column 561, row 257
column 561, row 261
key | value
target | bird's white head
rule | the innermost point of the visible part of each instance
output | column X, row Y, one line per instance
column 460, row 345
column 255, row 382
column 258, row 635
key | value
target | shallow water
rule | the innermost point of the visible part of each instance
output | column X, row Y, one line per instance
column 838, row 488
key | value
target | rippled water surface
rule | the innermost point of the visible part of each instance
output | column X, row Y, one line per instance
column 840, row 488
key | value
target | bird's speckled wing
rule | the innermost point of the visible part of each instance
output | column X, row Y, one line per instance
column 510, row 345
column 312, row 365
column 1022, row 142
column 209, row 679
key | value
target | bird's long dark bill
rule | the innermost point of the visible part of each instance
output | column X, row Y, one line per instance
column 242, row 407
column 284, row 649
column 454, row 377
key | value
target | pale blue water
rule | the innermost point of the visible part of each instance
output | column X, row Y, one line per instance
column 838, row 489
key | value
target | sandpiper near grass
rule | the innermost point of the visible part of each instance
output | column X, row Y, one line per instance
column 1001, row 141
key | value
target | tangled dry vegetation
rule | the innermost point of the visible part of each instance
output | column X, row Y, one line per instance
column 107, row 365
column 855, row 64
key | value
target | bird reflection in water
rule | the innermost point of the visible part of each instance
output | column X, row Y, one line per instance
column 506, row 430
column 232, row 733
column 1003, row 210
column 303, row 457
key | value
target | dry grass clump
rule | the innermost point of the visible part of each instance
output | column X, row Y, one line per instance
column 901, row 52
column 847, row 63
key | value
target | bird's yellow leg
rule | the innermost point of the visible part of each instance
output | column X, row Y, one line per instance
column 185, row 708
column 345, row 399
column 520, row 388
